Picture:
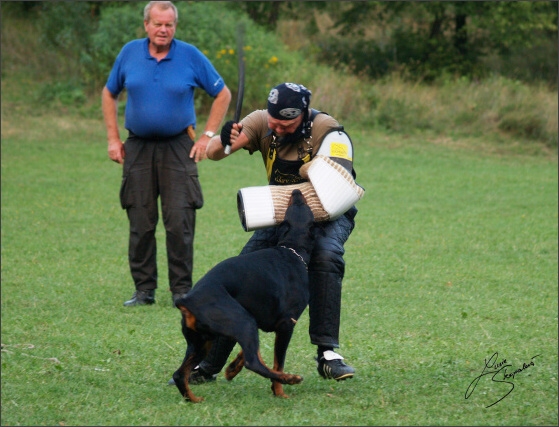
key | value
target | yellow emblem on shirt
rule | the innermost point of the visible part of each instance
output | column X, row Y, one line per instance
column 340, row 150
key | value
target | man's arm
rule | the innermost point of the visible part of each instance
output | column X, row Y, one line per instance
column 217, row 113
column 110, row 113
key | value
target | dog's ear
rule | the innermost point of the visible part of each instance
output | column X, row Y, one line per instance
column 283, row 229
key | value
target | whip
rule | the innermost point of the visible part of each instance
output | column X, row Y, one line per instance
column 241, row 84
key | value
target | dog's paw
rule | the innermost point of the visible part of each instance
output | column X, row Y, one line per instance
column 292, row 379
column 277, row 389
column 194, row 399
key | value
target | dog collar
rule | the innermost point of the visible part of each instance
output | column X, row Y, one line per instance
column 295, row 252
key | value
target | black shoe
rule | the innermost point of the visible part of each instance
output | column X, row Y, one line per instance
column 141, row 298
column 197, row 376
column 331, row 366
column 177, row 296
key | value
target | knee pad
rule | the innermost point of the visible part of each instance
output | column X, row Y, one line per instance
column 325, row 261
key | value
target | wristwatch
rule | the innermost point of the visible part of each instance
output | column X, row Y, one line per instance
column 209, row 134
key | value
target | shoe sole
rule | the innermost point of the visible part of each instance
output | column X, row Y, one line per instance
column 136, row 304
column 344, row 377
column 340, row 378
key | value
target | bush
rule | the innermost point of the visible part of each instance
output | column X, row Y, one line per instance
column 424, row 58
column 56, row 71
column 267, row 61
column 65, row 93
column 117, row 26
column 66, row 28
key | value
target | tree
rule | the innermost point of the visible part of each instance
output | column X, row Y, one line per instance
column 431, row 38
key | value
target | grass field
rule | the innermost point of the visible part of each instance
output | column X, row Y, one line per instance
column 453, row 259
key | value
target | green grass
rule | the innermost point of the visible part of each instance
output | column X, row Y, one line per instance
column 454, row 257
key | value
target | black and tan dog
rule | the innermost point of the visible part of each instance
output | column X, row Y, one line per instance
column 266, row 289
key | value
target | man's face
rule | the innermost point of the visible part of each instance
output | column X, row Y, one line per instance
column 160, row 27
column 284, row 127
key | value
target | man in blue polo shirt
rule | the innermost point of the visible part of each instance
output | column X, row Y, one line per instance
column 161, row 152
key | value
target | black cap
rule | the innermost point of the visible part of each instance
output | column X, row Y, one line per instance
column 288, row 100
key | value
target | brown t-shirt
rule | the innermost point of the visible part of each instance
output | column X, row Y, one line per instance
column 255, row 127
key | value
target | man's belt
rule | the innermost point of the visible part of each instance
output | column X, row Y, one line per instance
column 189, row 131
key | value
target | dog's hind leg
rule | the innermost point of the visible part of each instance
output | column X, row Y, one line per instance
column 196, row 349
column 192, row 358
column 237, row 323
column 254, row 362
column 248, row 340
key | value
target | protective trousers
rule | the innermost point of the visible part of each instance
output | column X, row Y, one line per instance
column 160, row 168
column 326, row 271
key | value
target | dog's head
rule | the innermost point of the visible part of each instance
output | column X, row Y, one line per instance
column 295, row 231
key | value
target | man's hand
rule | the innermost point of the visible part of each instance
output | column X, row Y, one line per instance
column 230, row 132
column 226, row 133
column 198, row 152
column 116, row 151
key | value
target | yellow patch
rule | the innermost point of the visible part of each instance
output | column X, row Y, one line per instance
column 339, row 150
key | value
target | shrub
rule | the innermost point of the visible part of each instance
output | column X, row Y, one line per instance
column 117, row 26
column 64, row 92
column 50, row 69
column 66, row 28
column 267, row 61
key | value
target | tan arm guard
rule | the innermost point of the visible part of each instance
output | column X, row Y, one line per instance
column 335, row 187
column 330, row 192
column 261, row 207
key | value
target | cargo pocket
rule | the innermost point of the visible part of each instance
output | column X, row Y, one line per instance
column 124, row 202
column 194, row 192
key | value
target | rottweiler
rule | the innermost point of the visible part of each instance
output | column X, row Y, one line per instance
column 267, row 289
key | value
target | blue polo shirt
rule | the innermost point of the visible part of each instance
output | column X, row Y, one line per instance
column 161, row 94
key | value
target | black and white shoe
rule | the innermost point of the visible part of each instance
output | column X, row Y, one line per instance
column 141, row 298
column 331, row 366
column 197, row 376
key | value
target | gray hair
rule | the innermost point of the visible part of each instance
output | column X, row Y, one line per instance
column 164, row 5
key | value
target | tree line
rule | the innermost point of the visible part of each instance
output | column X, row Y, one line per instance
column 423, row 40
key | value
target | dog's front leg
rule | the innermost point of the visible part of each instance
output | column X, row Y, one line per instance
column 235, row 366
column 280, row 350
column 277, row 389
